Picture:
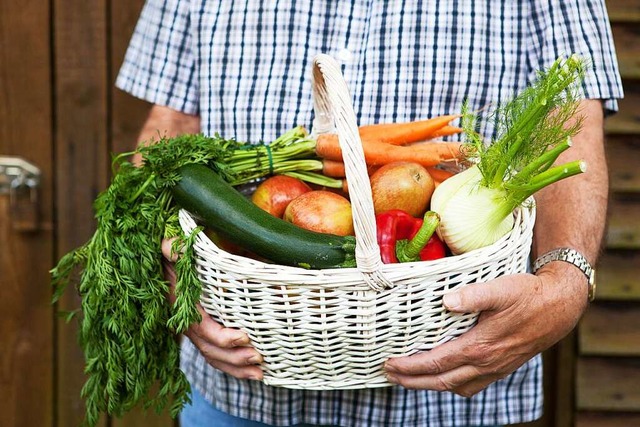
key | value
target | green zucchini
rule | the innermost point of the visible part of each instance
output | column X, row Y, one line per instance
column 204, row 193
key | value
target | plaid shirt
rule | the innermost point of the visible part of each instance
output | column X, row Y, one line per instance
column 244, row 67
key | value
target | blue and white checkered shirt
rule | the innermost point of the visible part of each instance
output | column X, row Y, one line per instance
column 244, row 67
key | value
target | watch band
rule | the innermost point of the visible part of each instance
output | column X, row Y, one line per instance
column 573, row 257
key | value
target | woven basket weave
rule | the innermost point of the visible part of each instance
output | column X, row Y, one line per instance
column 333, row 329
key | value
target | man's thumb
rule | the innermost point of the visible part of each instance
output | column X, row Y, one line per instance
column 474, row 298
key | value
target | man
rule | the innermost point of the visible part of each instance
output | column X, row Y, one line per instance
column 242, row 69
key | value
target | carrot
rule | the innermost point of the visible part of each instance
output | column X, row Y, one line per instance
column 446, row 131
column 345, row 186
column 380, row 153
column 438, row 174
column 335, row 168
column 408, row 132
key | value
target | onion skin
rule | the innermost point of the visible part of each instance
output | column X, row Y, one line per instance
column 472, row 216
column 402, row 185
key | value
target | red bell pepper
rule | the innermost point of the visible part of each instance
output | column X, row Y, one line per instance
column 403, row 238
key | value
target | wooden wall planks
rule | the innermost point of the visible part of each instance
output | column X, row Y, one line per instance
column 627, row 120
column 608, row 384
column 127, row 112
column 611, row 329
column 623, row 155
column 618, row 273
column 626, row 35
column 624, row 10
column 608, row 363
column 598, row 419
column 94, row 121
column 624, row 228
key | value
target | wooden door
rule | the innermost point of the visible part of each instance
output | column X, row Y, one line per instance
column 60, row 111
column 26, row 325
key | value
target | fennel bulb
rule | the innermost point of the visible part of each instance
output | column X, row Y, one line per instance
column 475, row 215
column 476, row 206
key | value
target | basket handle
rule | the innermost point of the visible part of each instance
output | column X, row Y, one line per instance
column 332, row 105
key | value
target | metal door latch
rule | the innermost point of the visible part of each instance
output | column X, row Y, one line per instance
column 20, row 180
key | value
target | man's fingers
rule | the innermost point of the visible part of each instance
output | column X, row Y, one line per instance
column 237, row 356
column 448, row 367
column 212, row 334
column 167, row 249
column 246, row 372
column 475, row 386
column 210, row 331
column 448, row 381
column 227, row 346
column 445, row 357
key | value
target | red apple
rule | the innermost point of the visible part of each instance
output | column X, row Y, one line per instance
column 402, row 185
column 274, row 194
column 322, row 211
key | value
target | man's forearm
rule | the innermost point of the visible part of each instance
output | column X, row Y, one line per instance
column 572, row 212
column 163, row 121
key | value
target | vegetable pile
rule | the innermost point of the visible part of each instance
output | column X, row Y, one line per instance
column 128, row 326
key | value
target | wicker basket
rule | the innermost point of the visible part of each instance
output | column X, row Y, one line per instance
column 333, row 329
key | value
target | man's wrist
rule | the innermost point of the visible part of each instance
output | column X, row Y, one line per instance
column 571, row 260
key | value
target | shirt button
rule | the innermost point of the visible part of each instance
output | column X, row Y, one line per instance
column 345, row 55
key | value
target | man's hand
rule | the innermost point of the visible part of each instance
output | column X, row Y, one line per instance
column 224, row 348
column 521, row 315
column 165, row 122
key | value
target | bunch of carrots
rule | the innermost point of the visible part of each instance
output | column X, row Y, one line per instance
column 394, row 142
column 319, row 160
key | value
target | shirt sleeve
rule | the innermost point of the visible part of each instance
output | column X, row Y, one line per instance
column 160, row 65
column 579, row 27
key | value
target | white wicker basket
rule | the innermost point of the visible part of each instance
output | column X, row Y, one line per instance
column 333, row 329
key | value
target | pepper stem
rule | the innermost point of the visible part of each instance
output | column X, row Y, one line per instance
column 410, row 250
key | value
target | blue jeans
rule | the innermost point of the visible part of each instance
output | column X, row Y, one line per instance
column 201, row 413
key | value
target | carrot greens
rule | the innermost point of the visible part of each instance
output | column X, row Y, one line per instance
column 127, row 325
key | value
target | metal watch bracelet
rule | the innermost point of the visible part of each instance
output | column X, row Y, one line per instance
column 572, row 257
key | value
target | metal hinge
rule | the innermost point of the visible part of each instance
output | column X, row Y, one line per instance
column 21, row 181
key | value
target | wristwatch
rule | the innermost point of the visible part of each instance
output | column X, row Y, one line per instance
column 572, row 257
